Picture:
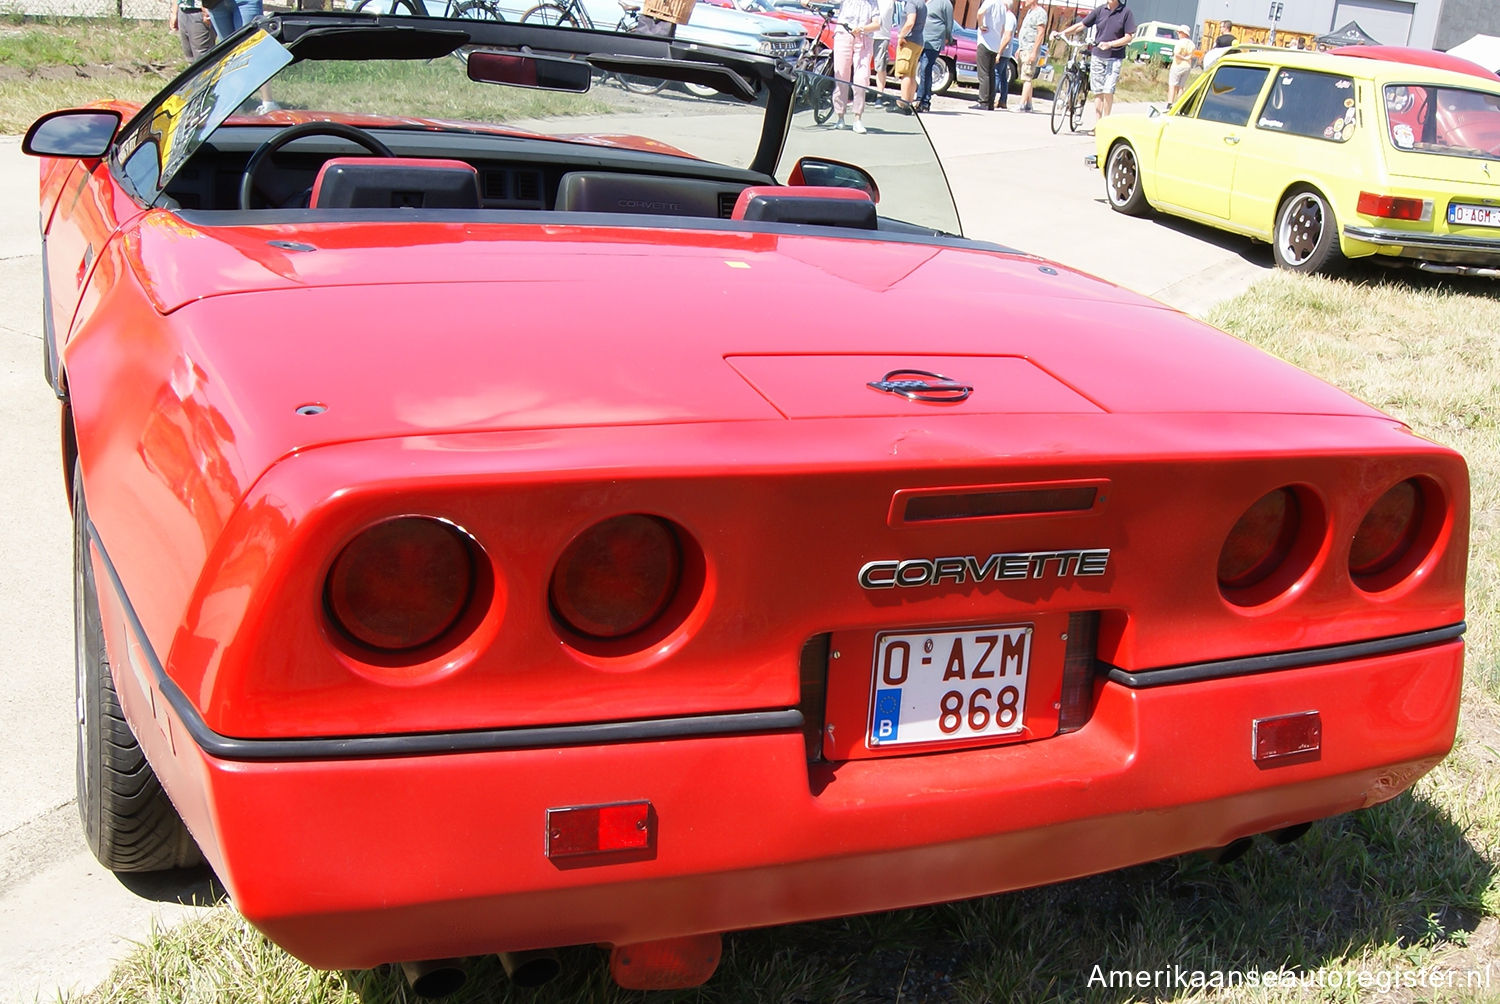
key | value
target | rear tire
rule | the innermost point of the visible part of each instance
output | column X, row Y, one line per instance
column 1075, row 108
column 1122, row 181
column 1062, row 98
column 128, row 821
column 1306, row 238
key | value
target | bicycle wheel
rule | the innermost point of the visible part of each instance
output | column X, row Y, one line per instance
column 1062, row 99
column 641, row 85
column 405, row 8
column 477, row 10
column 821, row 98
column 632, row 83
column 1075, row 109
column 551, row 13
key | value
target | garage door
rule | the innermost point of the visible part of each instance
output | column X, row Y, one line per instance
column 1387, row 21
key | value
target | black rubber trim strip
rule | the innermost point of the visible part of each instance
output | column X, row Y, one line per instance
column 1252, row 664
column 419, row 743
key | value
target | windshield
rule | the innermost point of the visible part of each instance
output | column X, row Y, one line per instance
column 252, row 125
column 1453, row 121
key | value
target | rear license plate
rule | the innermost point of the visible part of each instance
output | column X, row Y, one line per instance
column 1474, row 216
column 947, row 686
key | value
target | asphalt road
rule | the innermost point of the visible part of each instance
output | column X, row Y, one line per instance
column 63, row 920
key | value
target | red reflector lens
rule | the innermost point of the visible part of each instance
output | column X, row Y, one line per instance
column 1391, row 207
column 1387, row 532
column 402, row 583
column 1288, row 736
column 617, row 576
column 1260, row 541
column 587, row 830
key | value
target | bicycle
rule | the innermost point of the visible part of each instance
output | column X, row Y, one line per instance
column 469, row 10
column 570, row 14
column 1073, row 89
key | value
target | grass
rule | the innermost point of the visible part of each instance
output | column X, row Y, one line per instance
column 1396, row 893
column 48, row 63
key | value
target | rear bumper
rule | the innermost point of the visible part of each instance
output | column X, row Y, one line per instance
column 354, row 862
column 1448, row 249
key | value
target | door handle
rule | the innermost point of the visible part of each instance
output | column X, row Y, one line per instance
column 1231, row 140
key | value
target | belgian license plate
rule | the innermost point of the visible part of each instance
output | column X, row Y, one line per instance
column 1474, row 216
column 944, row 686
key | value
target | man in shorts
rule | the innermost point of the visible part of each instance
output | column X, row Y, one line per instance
column 881, row 61
column 910, row 52
column 1029, row 49
column 1182, row 62
column 1114, row 27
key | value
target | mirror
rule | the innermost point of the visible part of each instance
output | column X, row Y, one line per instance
column 833, row 174
column 72, row 132
column 549, row 73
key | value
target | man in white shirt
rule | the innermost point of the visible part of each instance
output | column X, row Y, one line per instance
column 997, row 26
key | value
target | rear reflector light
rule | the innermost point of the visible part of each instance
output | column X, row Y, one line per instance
column 1285, row 737
column 1393, row 207
column 1388, row 530
column 588, row 831
column 1079, row 664
column 1260, row 541
column 617, row 577
column 401, row 584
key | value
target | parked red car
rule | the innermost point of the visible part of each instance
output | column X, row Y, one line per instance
column 493, row 536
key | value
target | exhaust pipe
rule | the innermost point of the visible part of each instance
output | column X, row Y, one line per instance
column 531, row 969
column 1287, row 834
column 434, row 977
column 1229, row 852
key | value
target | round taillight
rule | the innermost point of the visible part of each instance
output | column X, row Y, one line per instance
column 617, row 577
column 402, row 584
column 1388, row 531
column 1260, row 540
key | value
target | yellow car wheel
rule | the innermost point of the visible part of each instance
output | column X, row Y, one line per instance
column 1307, row 234
column 1122, row 181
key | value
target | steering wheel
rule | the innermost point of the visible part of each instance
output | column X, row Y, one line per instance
column 293, row 133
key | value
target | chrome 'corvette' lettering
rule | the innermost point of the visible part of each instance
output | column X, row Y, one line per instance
column 967, row 568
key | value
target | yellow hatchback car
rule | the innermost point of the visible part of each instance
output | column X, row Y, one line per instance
column 1325, row 156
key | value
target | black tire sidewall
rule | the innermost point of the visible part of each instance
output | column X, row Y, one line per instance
column 128, row 821
column 1325, row 254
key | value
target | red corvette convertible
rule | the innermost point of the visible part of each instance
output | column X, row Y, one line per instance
column 519, row 504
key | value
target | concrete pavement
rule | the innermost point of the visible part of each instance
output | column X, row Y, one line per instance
column 63, row 920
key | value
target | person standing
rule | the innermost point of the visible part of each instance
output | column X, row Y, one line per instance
column 1182, row 62
column 229, row 16
column 1005, row 67
column 936, row 34
column 913, row 21
column 882, row 55
column 997, row 25
column 853, row 45
column 1223, row 42
column 1029, row 48
column 1114, row 27
column 190, row 21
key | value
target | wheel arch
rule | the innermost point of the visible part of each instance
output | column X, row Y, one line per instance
column 1311, row 183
